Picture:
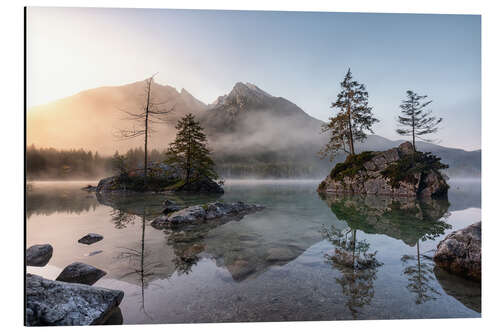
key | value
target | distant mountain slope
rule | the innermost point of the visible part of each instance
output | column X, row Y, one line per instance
column 248, row 118
column 251, row 132
column 91, row 118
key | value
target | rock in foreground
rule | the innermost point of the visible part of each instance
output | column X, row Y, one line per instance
column 460, row 252
column 90, row 238
column 202, row 213
column 39, row 255
column 79, row 272
column 396, row 172
column 54, row 303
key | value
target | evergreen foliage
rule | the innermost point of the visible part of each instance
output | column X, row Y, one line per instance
column 190, row 152
column 405, row 168
column 417, row 120
column 352, row 165
column 353, row 120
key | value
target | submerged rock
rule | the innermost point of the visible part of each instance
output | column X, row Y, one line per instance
column 79, row 272
column 392, row 172
column 201, row 213
column 90, row 238
column 54, row 303
column 280, row 254
column 460, row 252
column 39, row 255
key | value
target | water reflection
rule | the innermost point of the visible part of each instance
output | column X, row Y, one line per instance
column 466, row 292
column 407, row 219
column 357, row 265
column 238, row 247
column 44, row 200
column 410, row 220
column 140, row 268
column 270, row 265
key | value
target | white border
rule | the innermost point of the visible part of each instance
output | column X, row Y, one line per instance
column 11, row 81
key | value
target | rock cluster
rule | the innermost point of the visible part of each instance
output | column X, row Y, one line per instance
column 54, row 303
column 202, row 213
column 369, row 178
column 460, row 252
column 39, row 255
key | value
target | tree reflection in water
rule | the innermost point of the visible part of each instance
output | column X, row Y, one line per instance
column 136, row 258
column 357, row 265
column 408, row 219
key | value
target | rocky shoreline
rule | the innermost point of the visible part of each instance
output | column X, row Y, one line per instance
column 55, row 303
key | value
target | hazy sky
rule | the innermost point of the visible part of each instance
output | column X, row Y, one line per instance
column 299, row 56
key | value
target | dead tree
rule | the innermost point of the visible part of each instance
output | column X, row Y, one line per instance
column 152, row 112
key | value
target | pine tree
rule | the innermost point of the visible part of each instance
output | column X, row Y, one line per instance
column 417, row 120
column 190, row 152
column 353, row 119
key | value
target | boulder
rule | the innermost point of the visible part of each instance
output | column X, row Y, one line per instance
column 79, row 272
column 39, row 255
column 55, row 303
column 202, row 213
column 371, row 172
column 201, row 185
column 90, row 238
column 460, row 252
column 170, row 207
column 106, row 184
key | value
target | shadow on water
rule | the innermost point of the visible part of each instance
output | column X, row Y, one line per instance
column 409, row 220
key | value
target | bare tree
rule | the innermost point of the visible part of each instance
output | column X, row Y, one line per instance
column 152, row 112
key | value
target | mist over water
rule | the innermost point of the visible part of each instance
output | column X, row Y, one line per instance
column 281, row 263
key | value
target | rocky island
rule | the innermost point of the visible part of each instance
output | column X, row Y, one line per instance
column 161, row 178
column 400, row 171
column 202, row 213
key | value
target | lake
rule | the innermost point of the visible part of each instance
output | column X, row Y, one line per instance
column 303, row 257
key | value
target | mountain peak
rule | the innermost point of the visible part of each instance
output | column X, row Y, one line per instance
column 248, row 89
column 243, row 95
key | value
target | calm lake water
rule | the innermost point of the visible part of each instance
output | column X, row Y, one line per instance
column 302, row 258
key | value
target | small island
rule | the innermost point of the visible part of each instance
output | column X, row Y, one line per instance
column 400, row 171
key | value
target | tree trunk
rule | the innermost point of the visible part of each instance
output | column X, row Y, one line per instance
column 351, row 143
column 146, row 136
column 188, row 158
column 413, row 127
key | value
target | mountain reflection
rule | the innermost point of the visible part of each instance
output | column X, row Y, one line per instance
column 407, row 219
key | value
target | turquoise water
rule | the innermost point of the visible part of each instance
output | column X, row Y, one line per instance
column 302, row 258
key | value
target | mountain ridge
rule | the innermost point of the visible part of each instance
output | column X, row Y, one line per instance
column 247, row 125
